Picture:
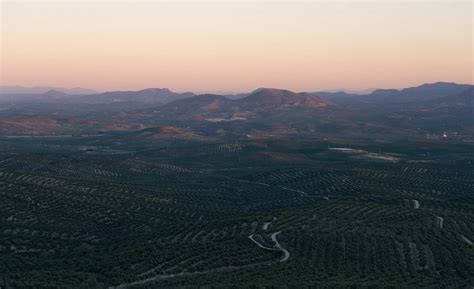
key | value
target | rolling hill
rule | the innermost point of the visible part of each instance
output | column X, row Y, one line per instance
column 262, row 102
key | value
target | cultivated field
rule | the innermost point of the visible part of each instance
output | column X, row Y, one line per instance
column 102, row 212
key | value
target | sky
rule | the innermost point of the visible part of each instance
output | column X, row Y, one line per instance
column 235, row 46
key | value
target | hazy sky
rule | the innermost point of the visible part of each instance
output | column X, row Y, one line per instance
column 211, row 46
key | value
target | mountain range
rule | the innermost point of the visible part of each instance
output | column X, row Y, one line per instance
column 260, row 102
column 423, row 92
column 163, row 96
column 416, row 111
column 43, row 89
column 149, row 95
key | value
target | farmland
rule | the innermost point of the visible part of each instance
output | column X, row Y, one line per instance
column 107, row 212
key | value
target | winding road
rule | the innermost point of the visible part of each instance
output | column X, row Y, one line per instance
column 467, row 240
column 440, row 221
column 303, row 194
column 286, row 254
column 279, row 247
column 265, row 226
column 260, row 245
column 416, row 204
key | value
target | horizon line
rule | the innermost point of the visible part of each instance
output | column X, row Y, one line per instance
column 347, row 90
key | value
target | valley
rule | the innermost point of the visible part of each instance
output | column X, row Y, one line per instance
column 177, row 212
column 236, row 144
column 266, row 190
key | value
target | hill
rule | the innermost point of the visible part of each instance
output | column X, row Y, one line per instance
column 419, row 93
column 464, row 98
column 149, row 95
column 270, row 98
column 262, row 102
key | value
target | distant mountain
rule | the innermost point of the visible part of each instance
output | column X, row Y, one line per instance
column 236, row 96
column 49, row 97
column 340, row 97
column 150, row 95
column 264, row 101
column 350, row 91
column 53, row 93
column 114, row 100
column 420, row 93
column 451, row 114
column 264, row 98
column 429, row 108
column 43, row 89
column 198, row 105
column 464, row 98
column 458, row 107
column 327, row 94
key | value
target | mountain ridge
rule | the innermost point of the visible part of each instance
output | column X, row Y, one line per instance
column 425, row 91
column 18, row 89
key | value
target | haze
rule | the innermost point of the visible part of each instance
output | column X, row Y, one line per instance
column 235, row 46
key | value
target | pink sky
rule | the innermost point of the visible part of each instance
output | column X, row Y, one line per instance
column 236, row 46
